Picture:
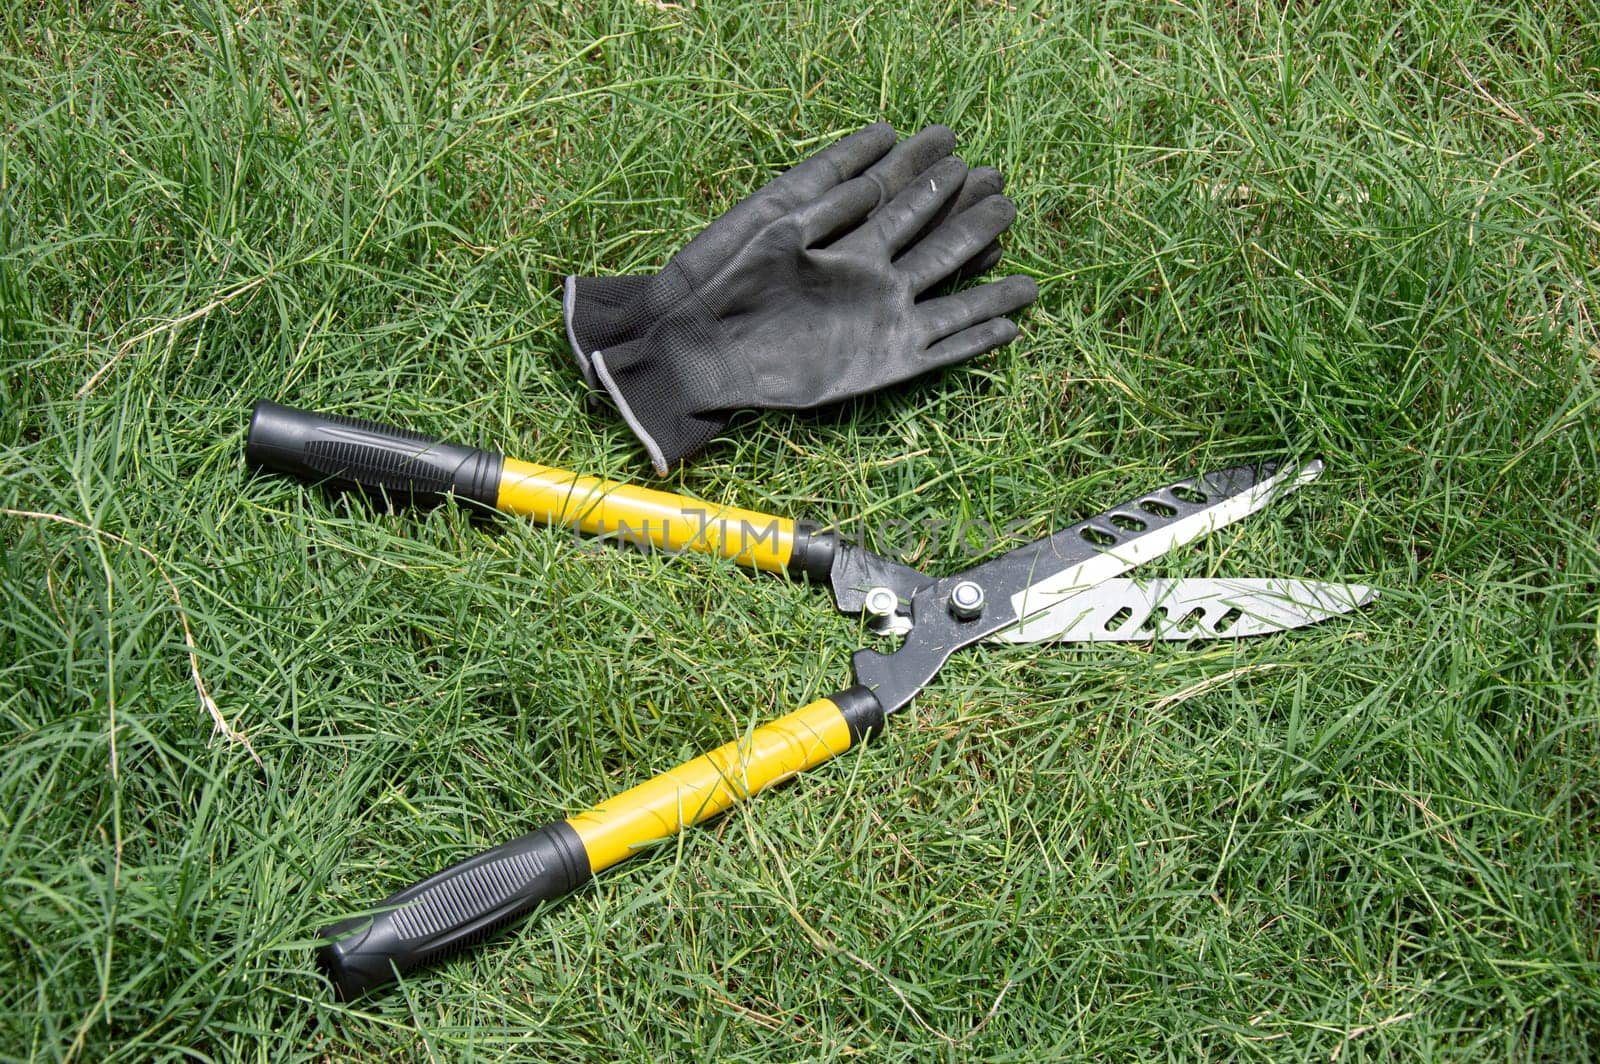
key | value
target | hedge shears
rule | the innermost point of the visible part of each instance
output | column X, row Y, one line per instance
column 1065, row 587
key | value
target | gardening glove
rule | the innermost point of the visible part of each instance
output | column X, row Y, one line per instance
column 812, row 304
column 602, row 312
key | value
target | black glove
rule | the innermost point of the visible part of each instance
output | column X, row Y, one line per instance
column 809, row 304
column 603, row 312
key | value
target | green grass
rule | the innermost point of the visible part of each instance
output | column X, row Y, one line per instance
column 1365, row 231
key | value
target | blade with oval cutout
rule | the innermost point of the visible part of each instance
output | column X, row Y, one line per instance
column 1126, row 610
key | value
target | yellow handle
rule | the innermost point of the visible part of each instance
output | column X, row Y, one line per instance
column 457, row 907
column 711, row 783
column 657, row 518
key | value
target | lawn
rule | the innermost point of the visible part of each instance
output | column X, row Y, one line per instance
column 233, row 708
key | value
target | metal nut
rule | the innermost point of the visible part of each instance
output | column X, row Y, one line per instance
column 966, row 601
column 881, row 602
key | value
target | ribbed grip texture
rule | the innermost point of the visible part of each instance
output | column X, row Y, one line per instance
column 453, row 909
column 364, row 454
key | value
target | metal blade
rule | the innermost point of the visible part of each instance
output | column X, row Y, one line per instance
column 963, row 608
column 1124, row 610
column 1226, row 505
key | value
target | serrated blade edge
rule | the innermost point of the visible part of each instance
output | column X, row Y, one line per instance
column 1125, row 610
column 1046, row 593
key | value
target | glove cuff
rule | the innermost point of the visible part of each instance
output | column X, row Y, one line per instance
column 671, row 388
column 569, row 305
column 604, row 312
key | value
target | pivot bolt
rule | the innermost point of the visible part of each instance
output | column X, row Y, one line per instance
column 966, row 601
column 882, row 603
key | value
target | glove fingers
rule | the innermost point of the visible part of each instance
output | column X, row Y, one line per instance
column 839, row 162
column 949, row 315
column 981, row 183
column 838, row 211
column 909, row 158
column 842, row 160
column 969, row 343
column 979, row 264
column 899, row 220
column 941, row 252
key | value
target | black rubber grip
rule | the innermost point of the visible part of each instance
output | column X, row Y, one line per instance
column 453, row 909
column 350, row 452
